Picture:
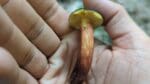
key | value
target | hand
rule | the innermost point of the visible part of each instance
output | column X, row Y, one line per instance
column 129, row 53
column 30, row 32
column 127, row 61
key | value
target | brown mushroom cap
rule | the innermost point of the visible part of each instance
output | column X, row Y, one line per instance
column 77, row 17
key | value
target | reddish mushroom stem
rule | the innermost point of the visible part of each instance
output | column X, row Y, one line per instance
column 84, row 20
column 85, row 59
column 87, row 43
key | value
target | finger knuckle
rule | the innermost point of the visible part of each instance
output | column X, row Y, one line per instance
column 4, row 2
column 26, row 59
column 120, row 8
column 36, row 30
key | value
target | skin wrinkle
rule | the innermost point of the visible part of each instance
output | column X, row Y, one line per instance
column 130, row 73
column 55, row 12
column 113, row 15
column 93, row 64
column 28, row 57
column 140, row 58
column 132, row 61
column 120, row 36
column 108, row 68
column 94, row 76
column 129, row 38
column 9, row 36
column 49, row 49
column 100, row 53
column 17, row 78
column 125, row 37
column 71, row 67
column 35, row 33
column 47, row 12
column 29, row 69
column 54, row 51
column 62, row 66
column 107, row 21
column 75, row 52
column 72, row 64
column 54, row 62
column 53, row 16
column 60, row 32
column 115, row 21
column 133, row 73
column 66, row 45
column 46, row 67
column 6, row 46
column 24, row 17
column 11, row 68
column 129, row 69
column 4, row 2
column 32, row 34
column 51, row 11
column 8, row 31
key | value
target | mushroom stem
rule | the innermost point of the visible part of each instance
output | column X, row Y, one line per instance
column 84, row 20
column 87, row 43
column 83, row 66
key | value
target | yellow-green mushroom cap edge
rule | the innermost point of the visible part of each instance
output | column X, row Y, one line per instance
column 93, row 17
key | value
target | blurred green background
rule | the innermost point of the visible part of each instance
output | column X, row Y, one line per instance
column 139, row 10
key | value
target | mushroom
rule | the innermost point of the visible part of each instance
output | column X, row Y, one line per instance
column 85, row 21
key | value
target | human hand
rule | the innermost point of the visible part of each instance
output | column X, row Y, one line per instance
column 31, row 32
column 130, row 54
column 127, row 61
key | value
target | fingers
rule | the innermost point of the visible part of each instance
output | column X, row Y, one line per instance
column 10, row 73
column 32, row 25
column 53, row 14
column 24, row 52
column 117, row 22
column 2, row 2
column 63, row 61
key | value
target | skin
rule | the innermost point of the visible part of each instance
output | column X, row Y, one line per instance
column 28, row 56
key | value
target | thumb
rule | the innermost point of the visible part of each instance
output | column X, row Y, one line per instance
column 117, row 22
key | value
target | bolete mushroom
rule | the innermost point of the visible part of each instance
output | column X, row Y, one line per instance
column 85, row 21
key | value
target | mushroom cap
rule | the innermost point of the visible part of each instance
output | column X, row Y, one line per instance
column 93, row 17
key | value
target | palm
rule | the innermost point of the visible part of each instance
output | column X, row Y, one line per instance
column 121, row 66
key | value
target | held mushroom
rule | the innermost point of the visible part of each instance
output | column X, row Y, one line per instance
column 85, row 21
